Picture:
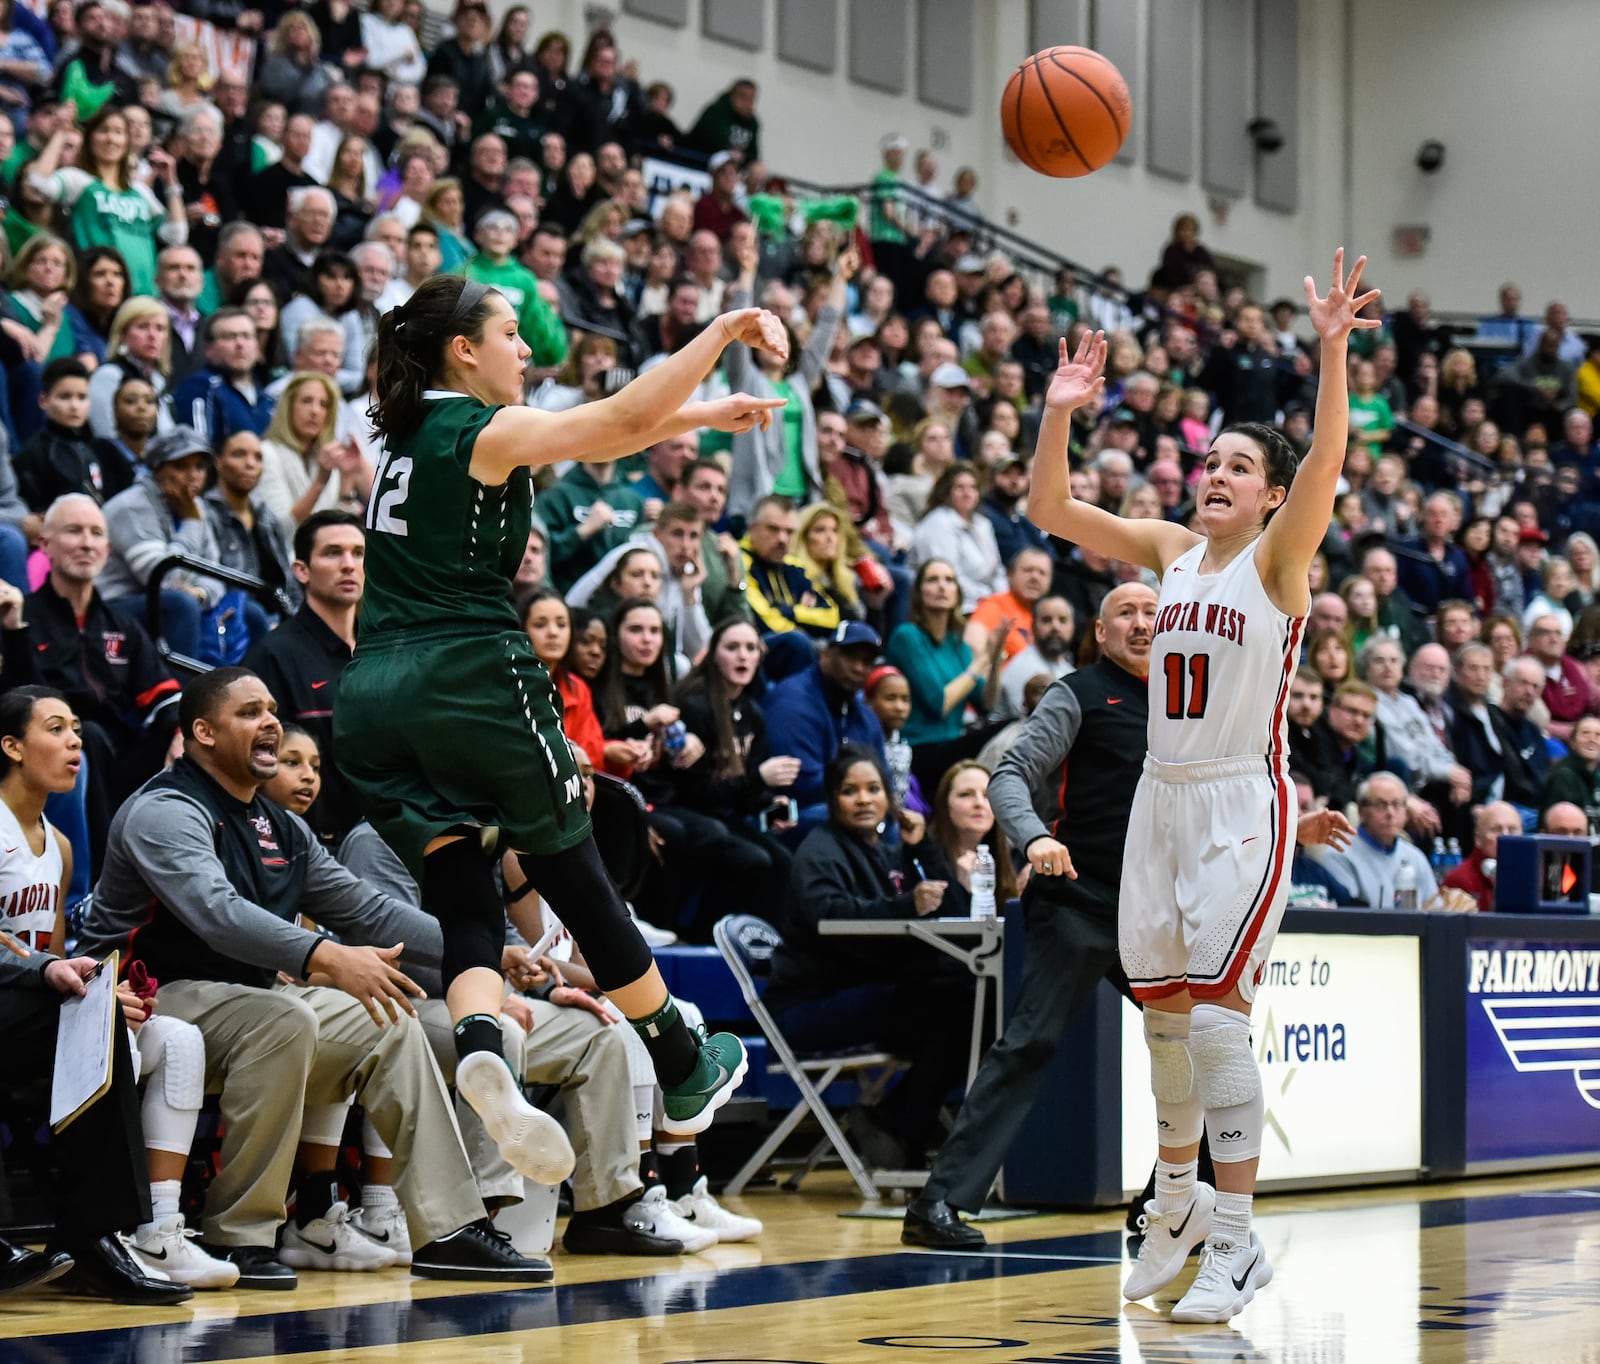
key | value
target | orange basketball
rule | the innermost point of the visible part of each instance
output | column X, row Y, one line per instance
column 1066, row 111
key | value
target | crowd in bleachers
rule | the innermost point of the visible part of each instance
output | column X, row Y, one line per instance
column 202, row 231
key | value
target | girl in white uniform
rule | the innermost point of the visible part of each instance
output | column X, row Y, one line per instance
column 41, row 750
column 1212, row 829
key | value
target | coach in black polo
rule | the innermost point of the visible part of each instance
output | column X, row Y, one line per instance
column 1084, row 747
column 301, row 661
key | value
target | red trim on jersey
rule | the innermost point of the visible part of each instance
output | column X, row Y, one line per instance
column 163, row 688
column 1291, row 655
column 1144, row 992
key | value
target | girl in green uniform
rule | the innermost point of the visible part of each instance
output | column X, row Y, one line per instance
column 446, row 720
column 106, row 207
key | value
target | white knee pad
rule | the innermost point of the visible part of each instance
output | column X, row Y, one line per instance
column 371, row 1143
column 323, row 1124
column 1227, row 1081
column 1179, row 1115
column 174, row 1052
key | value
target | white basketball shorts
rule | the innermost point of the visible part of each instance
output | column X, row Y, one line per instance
column 1206, row 876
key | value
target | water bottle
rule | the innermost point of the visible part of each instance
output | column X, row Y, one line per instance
column 1453, row 854
column 1405, row 886
column 983, row 883
column 898, row 752
column 673, row 738
column 1436, row 859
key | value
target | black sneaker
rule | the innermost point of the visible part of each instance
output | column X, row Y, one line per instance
column 478, row 1251
column 259, row 1266
column 593, row 1233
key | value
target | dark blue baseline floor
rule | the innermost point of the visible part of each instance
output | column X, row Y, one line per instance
column 300, row 1331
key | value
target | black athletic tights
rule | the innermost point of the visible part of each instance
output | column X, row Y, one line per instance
column 458, row 889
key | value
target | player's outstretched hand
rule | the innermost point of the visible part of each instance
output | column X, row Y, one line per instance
column 1336, row 316
column 757, row 328
column 1325, row 826
column 1078, row 377
column 740, row 412
column 1050, row 858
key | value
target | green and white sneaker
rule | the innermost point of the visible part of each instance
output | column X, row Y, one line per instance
column 688, row 1107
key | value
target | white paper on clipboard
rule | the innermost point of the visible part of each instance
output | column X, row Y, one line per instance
column 83, row 1046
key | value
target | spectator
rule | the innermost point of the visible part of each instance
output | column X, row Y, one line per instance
column 464, row 57
column 1522, row 682
column 1567, row 693
column 184, row 868
column 157, row 517
column 740, row 779
column 777, row 588
column 1481, row 740
column 1431, row 567
column 139, row 344
column 1369, row 864
column 538, row 324
column 659, row 564
column 1027, row 579
column 1397, row 615
column 106, row 205
column 717, row 210
column 943, row 675
column 594, row 301
column 932, row 452
column 590, row 512
column 825, row 996
column 1576, row 778
column 222, row 397
column 1046, row 654
column 310, row 219
column 548, row 622
column 783, row 459
column 391, row 46
column 1540, row 386
column 1474, row 876
column 821, row 708
column 240, row 250
column 822, row 550
column 292, row 73
column 1557, row 324
column 1565, row 820
column 106, row 665
column 1004, row 504
column 1408, row 732
column 302, row 660
column 729, row 123
column 702, row 262
column 301, row 452
column 178, row 284
column 62, row 457
column 1250, row 380
column 953, row 531
column 249, row 537
column 134, row 411
column 722, row 588
column 101, row 289
column 1184, row 256
column 39, row 281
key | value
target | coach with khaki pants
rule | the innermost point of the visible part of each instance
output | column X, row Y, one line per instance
column 204, row 881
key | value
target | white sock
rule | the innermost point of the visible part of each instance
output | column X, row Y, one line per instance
column 1174, row 1185
column 376, row 1196
column 1231, row 1220
column 164, row 1196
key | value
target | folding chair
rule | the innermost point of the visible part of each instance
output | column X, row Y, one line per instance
column 747, row 944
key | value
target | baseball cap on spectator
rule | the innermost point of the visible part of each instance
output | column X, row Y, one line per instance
column 719, row 160
column 1529, row 535
column 855, row 634
column 949, row 375
column 970, row 265
column 634, row 226
column 892, row 141
column 171, row 446
column 865, row 410
column 1123, row 416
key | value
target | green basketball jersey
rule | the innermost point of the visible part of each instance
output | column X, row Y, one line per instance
column 442, row 548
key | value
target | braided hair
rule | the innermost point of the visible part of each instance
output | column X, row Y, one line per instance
column 413, row 340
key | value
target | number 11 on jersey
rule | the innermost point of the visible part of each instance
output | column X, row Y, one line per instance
column 1193, row 670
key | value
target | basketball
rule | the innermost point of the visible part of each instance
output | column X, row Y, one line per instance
column 1066, row 111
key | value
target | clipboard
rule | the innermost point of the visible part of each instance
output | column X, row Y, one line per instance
column 85, row 1047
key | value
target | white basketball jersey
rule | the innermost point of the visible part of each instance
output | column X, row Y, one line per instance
column 1220, row 663
column 30, row 887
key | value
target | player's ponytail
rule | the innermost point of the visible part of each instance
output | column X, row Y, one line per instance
column 1279, row 459
column 412, row 341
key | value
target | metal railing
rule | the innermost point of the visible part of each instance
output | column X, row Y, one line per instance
column 273, row 599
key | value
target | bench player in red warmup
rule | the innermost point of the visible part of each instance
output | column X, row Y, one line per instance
column 1211, row 834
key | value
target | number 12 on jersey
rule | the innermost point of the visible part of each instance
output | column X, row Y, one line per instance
column 384, row 507
column 1193, row 670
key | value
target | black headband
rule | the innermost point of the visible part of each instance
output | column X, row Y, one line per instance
column 472, row 294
